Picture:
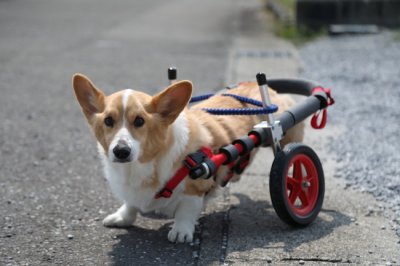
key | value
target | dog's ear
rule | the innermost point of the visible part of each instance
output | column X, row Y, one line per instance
column 89, row 97
column 170, row 102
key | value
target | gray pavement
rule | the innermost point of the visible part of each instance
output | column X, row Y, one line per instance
column 351, row 228
column 52, row 190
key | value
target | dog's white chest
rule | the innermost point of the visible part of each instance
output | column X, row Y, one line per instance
column 126, row 181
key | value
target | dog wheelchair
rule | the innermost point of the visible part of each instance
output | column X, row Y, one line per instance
column 296, row 182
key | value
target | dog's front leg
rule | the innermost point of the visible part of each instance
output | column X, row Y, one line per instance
column 125, row 216
column 186, row 215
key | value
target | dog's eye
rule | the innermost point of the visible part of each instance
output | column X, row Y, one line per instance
column 139, row 121
column 109, row 121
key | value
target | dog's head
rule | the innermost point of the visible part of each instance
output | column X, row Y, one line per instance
column 131, row 125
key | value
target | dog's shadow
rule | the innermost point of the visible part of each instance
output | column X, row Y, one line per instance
column 252, row 224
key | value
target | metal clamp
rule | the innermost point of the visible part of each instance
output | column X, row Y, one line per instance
column 275, row 134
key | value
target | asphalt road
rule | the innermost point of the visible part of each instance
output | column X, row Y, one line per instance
column 52, row 191
column 53, row 194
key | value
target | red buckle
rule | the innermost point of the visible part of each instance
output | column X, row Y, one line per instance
column 191, row 163
column 194, row 162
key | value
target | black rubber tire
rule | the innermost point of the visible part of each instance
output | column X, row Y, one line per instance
column 278, row 190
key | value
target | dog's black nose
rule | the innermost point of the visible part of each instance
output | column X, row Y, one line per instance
column 122, row 151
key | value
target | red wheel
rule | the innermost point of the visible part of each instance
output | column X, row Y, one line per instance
column 297, row 184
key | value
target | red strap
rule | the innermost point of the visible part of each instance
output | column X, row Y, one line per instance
column 237, row 167
column 324, row 112
column 207, row 151
column 168, row 189
column 229, row 174
column 315, row 118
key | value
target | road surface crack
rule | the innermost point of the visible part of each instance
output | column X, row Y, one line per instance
column 316, row 260
column 196, row 244
column 225, row 227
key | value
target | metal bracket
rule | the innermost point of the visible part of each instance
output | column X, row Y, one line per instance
column 275, row 133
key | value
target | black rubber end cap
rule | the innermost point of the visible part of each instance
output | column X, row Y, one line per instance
column 172, row 73
column 261, row 79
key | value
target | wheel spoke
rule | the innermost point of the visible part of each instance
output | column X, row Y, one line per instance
column 294, row 193
column 309, row 178
column 297, row 172
column 303, row 198
column 292, row 183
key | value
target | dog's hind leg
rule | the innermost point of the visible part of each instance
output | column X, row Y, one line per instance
column 125, row 216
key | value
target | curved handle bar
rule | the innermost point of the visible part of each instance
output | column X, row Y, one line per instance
column 295, row 86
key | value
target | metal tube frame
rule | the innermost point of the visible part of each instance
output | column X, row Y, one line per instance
column 273, row 126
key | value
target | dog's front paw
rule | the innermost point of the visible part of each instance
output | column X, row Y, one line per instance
column 117, row 220
column 181, row 233
column 124, row 217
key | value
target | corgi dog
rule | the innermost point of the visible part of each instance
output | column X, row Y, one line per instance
column 144, row 139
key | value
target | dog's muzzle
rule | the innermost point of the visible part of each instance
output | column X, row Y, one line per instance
column 122, row 152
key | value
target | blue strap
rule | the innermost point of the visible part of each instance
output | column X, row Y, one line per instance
column 244, row 99
column 240, row 111
column 201, row 98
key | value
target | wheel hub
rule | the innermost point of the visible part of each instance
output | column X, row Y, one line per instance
column 302, row 185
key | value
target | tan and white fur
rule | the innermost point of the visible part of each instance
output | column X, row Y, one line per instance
column 143, row 140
